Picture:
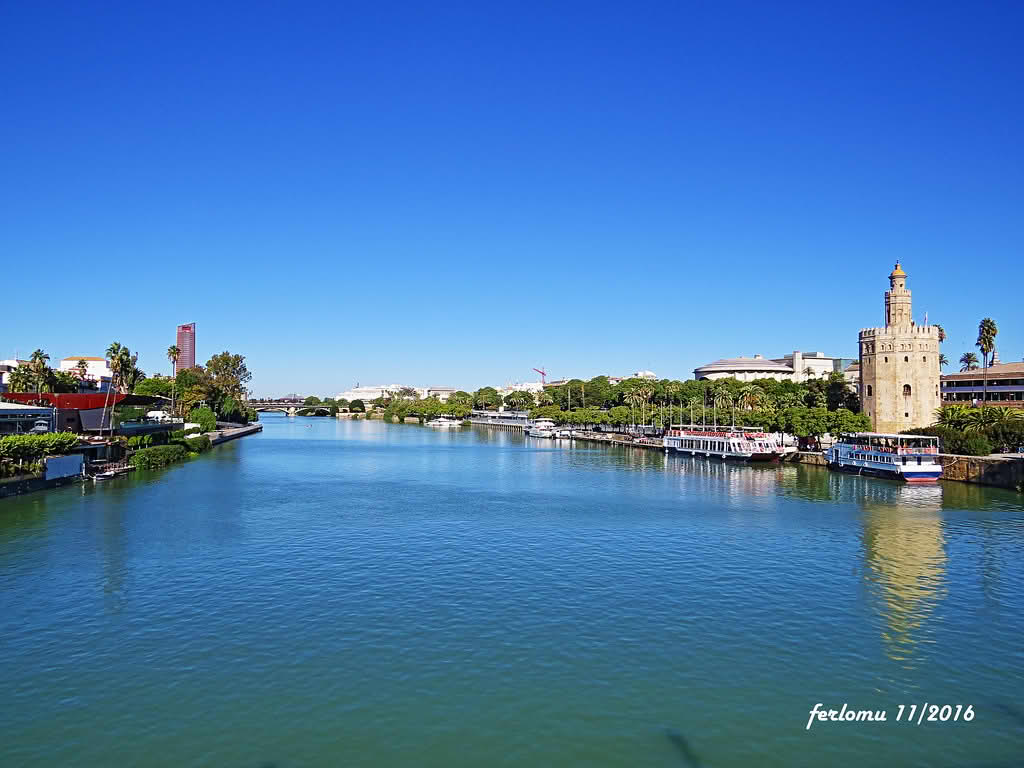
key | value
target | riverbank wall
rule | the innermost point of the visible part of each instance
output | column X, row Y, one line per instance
column 998, row 472
column 223, row 435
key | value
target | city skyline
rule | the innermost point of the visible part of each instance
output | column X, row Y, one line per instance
column 469, row 193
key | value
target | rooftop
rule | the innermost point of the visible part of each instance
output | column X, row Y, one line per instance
column 999, row 369
column 84, row 357
column 756, row 363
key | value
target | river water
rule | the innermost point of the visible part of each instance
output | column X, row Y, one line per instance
column 333, row 593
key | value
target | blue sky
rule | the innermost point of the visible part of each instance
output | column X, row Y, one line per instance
column 453, row 193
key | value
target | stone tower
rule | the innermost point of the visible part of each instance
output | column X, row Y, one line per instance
column 899, row 365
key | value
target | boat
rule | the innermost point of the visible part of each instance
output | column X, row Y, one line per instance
column 563, row 434
column 104, row 475
column 443, row 423
column 541, row 428
column 732, row 443
column 910, row 458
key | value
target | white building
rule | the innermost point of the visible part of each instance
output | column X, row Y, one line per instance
column 796, row 366
column 366, row 394
column 97, row 370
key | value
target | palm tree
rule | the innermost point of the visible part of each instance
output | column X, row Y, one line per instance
column 724, row 399
column 943, row 361
column 634, row 399
column 942, row 332
column 645, row 391
column 39, row 362
column 750, row 396
column 173, row 353
column 693, row 402
column 954, row 416
column 968, row 362
column 986, row 343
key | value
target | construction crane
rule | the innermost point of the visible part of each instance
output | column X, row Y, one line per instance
column 542, row 373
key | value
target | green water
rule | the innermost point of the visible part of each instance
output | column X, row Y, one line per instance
column 358, row 594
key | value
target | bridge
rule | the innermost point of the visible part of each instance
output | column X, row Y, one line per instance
column 286, row 406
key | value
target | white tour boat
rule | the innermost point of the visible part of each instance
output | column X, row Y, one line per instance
column 541, row 428
column 734, row 443
column 912, row 458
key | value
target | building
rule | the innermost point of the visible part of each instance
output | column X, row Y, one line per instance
column 899, row 365
column 441, row 393
column 797, row 366
column 366, row 394
column 1005, row 386
column 744, row 369
column 6, row 366
column 186, row 344
column 97, row 370
column 16, row 418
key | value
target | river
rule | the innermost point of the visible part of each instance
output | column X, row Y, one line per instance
column 334, row 593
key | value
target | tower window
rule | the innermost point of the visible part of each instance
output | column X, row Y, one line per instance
column 924, row 358
column 906, row 390
column 906, row 415
column 887, row 359
column 869, row 390
column 906, row 359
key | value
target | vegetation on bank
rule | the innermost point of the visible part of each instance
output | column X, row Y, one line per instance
column 971, row 431
column 176, row 450
column 24, row 454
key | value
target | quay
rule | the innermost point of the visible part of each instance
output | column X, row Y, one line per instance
column 511, row 421
column 233, row 433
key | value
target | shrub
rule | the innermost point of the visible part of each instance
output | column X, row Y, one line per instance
column 199, row 444
column 158, row 456
column 33, row 447
column 178, row 434
column 205, row 418
column 192, row 431
column 956, row 441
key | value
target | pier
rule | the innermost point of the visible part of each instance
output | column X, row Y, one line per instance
column 512, row 421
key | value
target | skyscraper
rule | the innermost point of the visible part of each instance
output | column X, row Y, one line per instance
column 186, row 344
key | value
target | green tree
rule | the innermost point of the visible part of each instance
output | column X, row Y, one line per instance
column 943, row 361
column 229, row 374
column 986, row 343
column 461, row 398
column 487, row 398
column 312, row 400
column 204, row 417
column 357, row 406
column 519, row 400
column 156, row 387
column 968, row 362
column 173, row 353
column 39, row 362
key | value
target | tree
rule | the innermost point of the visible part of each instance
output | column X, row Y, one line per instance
column 519, row 399
column 39, row 363
column 204, row 417
column 942, row 332
column 486, row 397
column 82, row 369
column 986, row 343
column 357, row 406
column 312, row 400
column 461, row 398
column 155, row 387
column 173, row 353
column 229, row 374
column 968, row 362
column 943, row 361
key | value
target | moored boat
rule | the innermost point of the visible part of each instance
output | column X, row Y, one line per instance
column 911, row 458
column 443, row 423
column 732, row 443
column 541, row 428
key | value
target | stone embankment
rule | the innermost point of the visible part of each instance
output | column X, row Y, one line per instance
column 996, row 471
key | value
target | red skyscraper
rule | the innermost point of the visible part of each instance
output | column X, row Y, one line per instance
column 186, row 344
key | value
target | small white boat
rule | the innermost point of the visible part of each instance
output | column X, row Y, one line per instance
column 564, row 434
column 104, row 475
column 541, row 428
column 443, row 423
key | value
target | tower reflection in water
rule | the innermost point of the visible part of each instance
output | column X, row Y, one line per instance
column 905, row 558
